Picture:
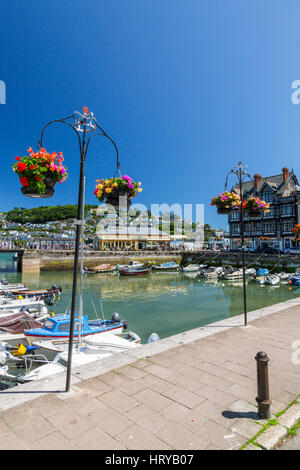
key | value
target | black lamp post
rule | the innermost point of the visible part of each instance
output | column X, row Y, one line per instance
column 86, row 128
column 240, row 171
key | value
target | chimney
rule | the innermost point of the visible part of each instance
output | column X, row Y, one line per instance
column 257, row 180
column 285, row 174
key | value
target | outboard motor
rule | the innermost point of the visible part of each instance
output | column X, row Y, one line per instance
column 50, row 302
column 125, row 324
column 115, row 318
column 153, row 338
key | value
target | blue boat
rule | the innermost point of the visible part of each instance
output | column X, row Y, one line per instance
column 171, row 266
column 294, row 280
column 57, row 328
column 262, row 272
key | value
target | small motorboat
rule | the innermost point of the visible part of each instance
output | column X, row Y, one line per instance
column 191, row 268
column 100, row 269
column 134, row 271
column 58, row 328
column 132, row 264
column 294, row 280
column 250, row 271
column 171, row 266
column 11, row 304
column 43, row 293
column 284, row 276
column 212, row 272
column 12, row 325
column 272, row 280
column 229, row 273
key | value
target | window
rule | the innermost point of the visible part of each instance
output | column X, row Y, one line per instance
column 267, row 196
column 287, row 226
column 235, row 229
column 287, row 209
column 235, row 215
column 269, row 227
column 49, row 325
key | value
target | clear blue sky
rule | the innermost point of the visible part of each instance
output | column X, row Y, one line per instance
column 185, row 87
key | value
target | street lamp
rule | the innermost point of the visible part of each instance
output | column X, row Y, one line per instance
column 86, row 128
column 240, row 171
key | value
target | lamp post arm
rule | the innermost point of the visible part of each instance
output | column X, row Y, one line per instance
column 103, row 134
column 61, row 121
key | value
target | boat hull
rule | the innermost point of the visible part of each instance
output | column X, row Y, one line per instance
column 64, row 338
column 131, row 272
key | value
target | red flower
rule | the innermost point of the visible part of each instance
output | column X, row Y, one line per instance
column 38, row 178
column 31, row 167
column 21, row 166
column 18, row 158
column 24, row 181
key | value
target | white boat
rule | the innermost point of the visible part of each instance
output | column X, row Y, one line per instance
column 250, row 271
column 191, row 268
column 92, row 349
column 284, row 276
column 229, row 273
column 12, row 305
column 272, row 280
column 132, row 264
column 6, row 287
column 213, row 272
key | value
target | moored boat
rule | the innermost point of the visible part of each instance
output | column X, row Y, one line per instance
column 171, row 266
column 294, row 280
column 134, row 271
column 190, row 268
column 58, row 328
column 44, row 293
column 132, row 264
column 100, row 269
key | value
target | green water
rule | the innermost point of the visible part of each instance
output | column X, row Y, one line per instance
column 164, row 303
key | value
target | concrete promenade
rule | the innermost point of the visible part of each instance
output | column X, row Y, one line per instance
column 195, row 390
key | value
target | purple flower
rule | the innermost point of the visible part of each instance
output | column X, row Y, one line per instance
column 127, row 178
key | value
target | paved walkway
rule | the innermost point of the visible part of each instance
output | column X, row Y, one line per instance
column 199, row 395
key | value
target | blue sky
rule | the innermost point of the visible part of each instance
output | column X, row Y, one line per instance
column 185, row 88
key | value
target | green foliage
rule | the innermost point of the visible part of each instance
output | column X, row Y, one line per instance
column 44, row 214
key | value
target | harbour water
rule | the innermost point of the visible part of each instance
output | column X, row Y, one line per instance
column 164, row 303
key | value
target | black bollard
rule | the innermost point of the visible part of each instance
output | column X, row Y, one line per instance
column 263, row 394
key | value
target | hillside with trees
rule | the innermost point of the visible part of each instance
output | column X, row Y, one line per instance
column 44, row 214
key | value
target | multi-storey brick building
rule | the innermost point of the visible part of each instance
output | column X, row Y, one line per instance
column 282, row 192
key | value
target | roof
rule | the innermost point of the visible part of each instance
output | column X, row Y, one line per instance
column 275, row 182
column 132, row 233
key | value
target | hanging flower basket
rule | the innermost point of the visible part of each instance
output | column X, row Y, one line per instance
column 296, row 229
column 226, row 202
column 111, row 190
column 39, row 172
column 255, row 207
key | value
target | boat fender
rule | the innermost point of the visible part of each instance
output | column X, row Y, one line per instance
column 153, row 338
column 30, row 348
column 115, row 318
column 20, row 351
